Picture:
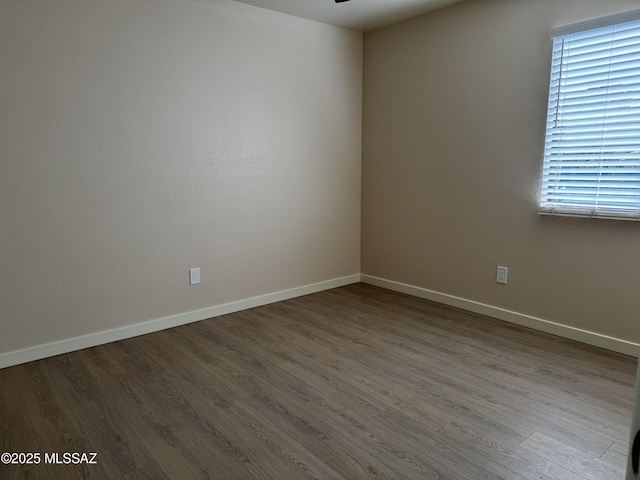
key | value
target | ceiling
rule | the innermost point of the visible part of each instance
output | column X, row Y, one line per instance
column 362, row 15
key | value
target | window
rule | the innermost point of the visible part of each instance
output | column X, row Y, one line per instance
column 592, row 144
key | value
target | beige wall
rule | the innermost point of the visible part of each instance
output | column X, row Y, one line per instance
column 139, row 138
column 454, row 116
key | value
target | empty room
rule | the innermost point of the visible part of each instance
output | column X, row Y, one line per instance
column 319, row 239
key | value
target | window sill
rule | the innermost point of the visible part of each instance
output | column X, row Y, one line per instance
column 634, row 217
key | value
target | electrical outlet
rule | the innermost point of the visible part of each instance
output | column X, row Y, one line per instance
column 501, row 276
column 194, row 276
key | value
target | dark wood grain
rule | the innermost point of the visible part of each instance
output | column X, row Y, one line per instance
column 353, row 383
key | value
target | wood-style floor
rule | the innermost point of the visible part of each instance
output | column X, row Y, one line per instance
column 352, row 383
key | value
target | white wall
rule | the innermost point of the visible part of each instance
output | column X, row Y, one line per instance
column 139, row 138
column 454, row 117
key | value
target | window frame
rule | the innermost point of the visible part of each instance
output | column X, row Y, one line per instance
column 550, row 198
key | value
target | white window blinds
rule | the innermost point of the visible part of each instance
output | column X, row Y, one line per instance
column 592, row 144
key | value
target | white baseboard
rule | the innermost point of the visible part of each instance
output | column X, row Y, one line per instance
column 86, row 341
column 565, row 331
column 99, row 338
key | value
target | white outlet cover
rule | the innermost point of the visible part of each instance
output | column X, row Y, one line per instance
column 194, row 276
column 501, row 275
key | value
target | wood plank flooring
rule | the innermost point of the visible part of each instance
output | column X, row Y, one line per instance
column 352, row 383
